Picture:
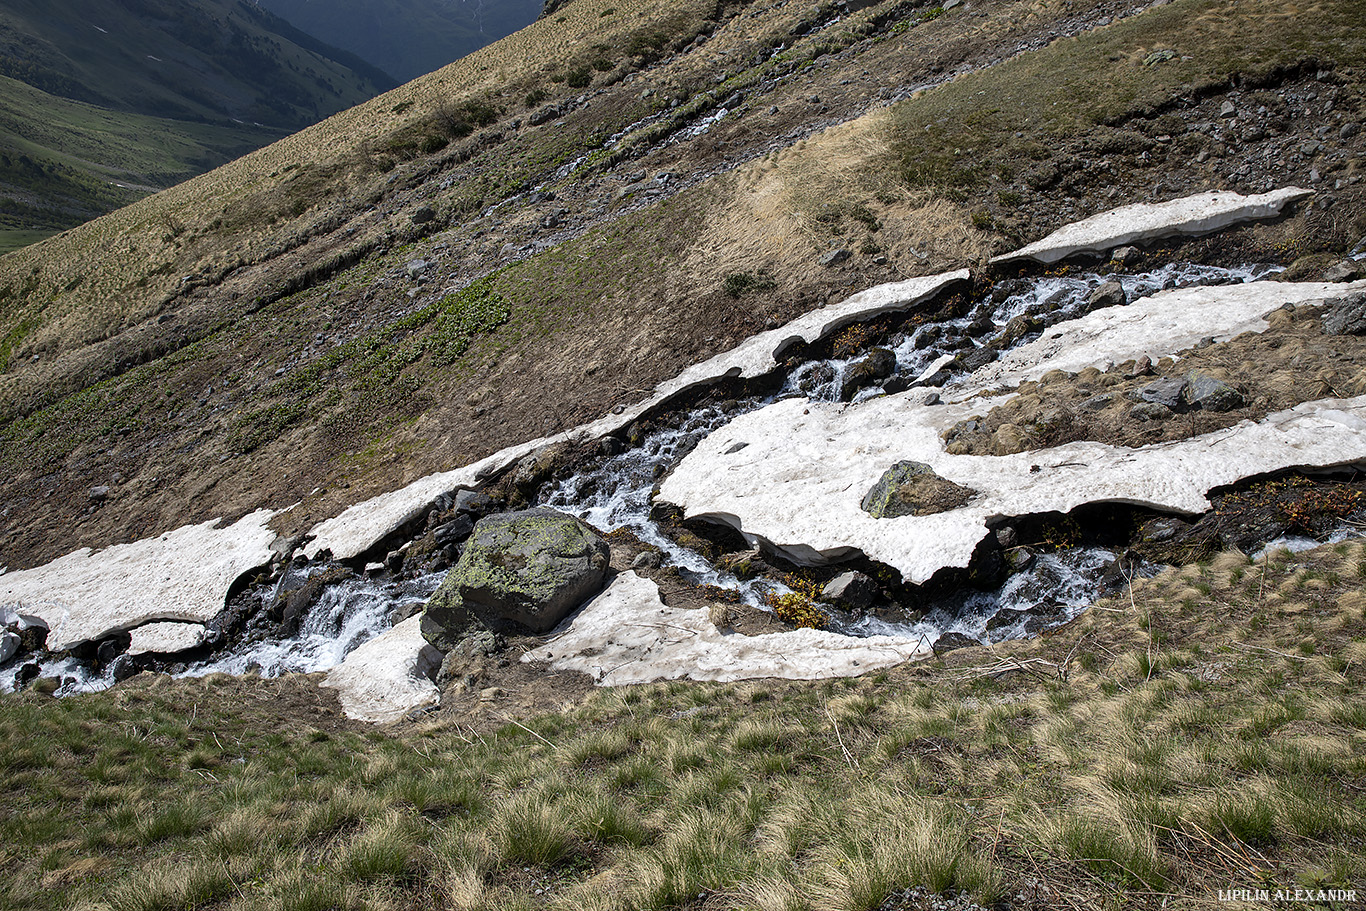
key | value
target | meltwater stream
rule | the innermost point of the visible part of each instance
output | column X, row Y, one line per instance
column 617, row 494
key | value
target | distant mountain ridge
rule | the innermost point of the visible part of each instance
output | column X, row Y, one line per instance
column 408, row 38
column 196, row 60
column 107, row 100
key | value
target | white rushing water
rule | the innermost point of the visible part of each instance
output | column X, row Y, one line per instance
column 347, row 615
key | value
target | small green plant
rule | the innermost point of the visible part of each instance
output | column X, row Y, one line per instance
column 738, row 284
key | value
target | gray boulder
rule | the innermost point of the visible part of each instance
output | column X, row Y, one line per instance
column 835, row 257
column 524, row 570
column 1209, row 394
column 1346, row 315
column 879, row 364
column 1166, row 392
column 1108, row 294
column 851, row 589
column 913, row 489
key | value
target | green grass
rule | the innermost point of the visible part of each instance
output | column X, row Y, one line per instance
column 998, row 120
column 952, row 780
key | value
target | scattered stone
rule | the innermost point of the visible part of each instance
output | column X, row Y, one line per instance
column 100, row 493
column 1108, row 294
column 528, row 568
column 423, row 214
column 979, row 357
column 852, row 589
column 953, row 641
column 913, row 489
column 9, row 645
column 1125, row 255
column 1227, row 109
column 835, row 257
column 454, row 531
column 28, row 671
column 1166, row 391
column 1150, row 411
column 1210, row 394
column 474, row 503
column 1098, row 402
column 1349, row 130
column 647, row 559
column 879, row 364
column 416, row 268
column 1019, row 559
column 1345, row 271
column 1346, row 315
column 544, row 115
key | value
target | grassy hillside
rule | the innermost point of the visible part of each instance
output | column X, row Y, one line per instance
column 63, row 162
column 106, row 102
column 1202, row 734
column 407, row 38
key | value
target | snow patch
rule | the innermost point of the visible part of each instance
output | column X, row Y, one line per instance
column 628, row 635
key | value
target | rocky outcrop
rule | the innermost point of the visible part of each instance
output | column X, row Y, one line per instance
column 524, row 569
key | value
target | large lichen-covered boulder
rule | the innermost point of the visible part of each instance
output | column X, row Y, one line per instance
column 913, row 489
column 519, row 570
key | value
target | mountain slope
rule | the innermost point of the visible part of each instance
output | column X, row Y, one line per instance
column 540, row 233
column 407, row 38
column 106, row 102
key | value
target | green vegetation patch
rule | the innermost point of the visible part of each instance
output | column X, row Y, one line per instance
column 989, row 122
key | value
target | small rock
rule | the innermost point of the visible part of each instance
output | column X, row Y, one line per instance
column 454, row 531
column 27, row 672
column 1349, row 130
column 879, row 364
column 952, row 641
column 978, row 358
column 1166, row 391
column 1019, row 559
column 488, row 694
column 1150, row 411
column 423, row 214
column 1210, row 394
column 1125, row 255
column 416, row 268
column 1345, row 271
column 393, row 561
column 913, row 489
column 1098, row 402
column 1228, row 110
column 1108, row 294
column 852, row 589
column 1346, row 315
column 100, row 493
column 474, row 503
column 647, row 559
column 835, row 257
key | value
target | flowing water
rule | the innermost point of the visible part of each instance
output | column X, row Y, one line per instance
column 617, row 494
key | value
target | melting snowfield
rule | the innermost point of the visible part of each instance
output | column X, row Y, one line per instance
column 787, row 469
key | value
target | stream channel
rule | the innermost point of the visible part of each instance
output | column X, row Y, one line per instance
column 614, row 492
